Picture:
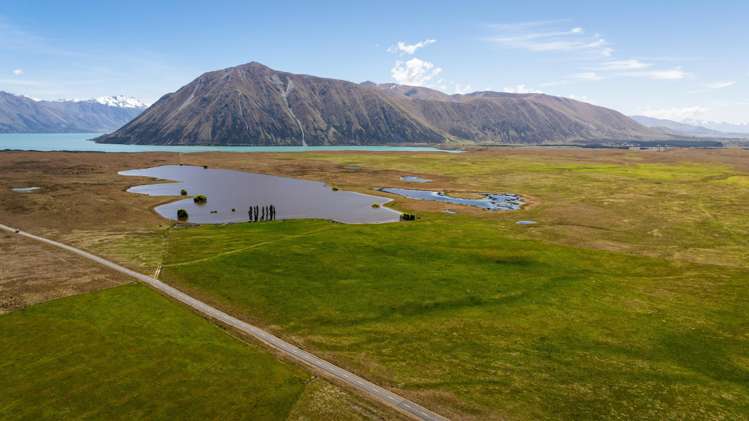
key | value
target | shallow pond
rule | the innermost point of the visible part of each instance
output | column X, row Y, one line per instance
column 488, row 202
column 25, row 189
column 415, row 179
column 227, row 190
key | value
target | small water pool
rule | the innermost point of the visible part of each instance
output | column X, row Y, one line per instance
column 415, row 179
column 25, row 189
column 490, row 201
column 230, row 194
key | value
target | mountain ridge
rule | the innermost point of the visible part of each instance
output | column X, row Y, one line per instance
column 20, row 114
column 687, row 128
column 252, row 104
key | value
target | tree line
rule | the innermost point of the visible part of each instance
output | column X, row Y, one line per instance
column 261, row 213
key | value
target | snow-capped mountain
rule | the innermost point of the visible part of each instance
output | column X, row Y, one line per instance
column 121, row 101
column 20, row 114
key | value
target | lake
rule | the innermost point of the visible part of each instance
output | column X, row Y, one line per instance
column 227, row 190
column 80, row 142
column 490, row 201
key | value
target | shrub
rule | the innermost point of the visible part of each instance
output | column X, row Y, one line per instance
column 182, row 214
column 183, row 192
column 408, row 217
column 200, row 199
column 375, row 205
column 205, row 167
column 335, row 188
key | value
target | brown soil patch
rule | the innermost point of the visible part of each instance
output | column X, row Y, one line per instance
column 32, row 272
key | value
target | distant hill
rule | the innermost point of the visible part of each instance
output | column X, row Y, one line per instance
column 253, row 104
column 685, row 129
column 724, row 127
column 19, row 114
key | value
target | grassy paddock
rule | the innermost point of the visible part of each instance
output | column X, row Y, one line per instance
column 128, row 353
column 467, row 316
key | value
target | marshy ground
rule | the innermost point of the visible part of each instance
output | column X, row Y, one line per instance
column 626, row 299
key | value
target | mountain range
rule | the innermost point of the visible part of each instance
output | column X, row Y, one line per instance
column 252, row 104
column 20, row 114
column 693, row 128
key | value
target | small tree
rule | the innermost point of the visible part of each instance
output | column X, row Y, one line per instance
column 200, row 199
column 182, row 214
column 183, row 192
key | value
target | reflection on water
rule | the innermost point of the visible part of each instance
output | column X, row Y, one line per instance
column 488, row 202
column 235, row 196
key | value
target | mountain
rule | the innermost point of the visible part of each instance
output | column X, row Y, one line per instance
column 120, row 101
column 19, row 114
column 741, row 128
column 685, row 129
column 253, row 104
column 675, row 127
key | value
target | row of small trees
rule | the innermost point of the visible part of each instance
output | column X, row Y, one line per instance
column 261, row 213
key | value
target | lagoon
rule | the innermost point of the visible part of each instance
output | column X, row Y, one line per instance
column 237, row 190
column 81, row 142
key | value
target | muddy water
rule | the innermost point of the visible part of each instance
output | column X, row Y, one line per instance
column 227, row 190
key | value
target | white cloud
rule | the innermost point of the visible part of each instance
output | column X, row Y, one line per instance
column 712, row 86
column 520, row 89
column 720, row 84
column 410, row 49
column 18, row 72
column 677, row 114
column 452, row 87
column 415, row 72
column 631, row 64
column 669, row 74
column 546, row 37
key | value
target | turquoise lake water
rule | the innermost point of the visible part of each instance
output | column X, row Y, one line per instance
column 82, row 142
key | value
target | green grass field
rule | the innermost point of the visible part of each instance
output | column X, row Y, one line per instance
column 464, row 316
column 627, row 300
column 128, row 353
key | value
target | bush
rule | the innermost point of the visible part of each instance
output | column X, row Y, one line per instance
column 375, row 205
column 408, row 217
column 182, row 214
column 200, row 199
column 335, row 188
column 205, row 167
column 183, row 192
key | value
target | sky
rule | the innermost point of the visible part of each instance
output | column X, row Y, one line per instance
column 678, row 60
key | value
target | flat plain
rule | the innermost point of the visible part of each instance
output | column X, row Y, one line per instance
column 626, row 300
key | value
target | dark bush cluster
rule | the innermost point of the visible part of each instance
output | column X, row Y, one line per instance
column 183, row 192
column 200, row 199
column 408, row 217
column 182, row 214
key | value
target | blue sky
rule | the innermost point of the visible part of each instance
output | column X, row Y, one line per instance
column 672, row 59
